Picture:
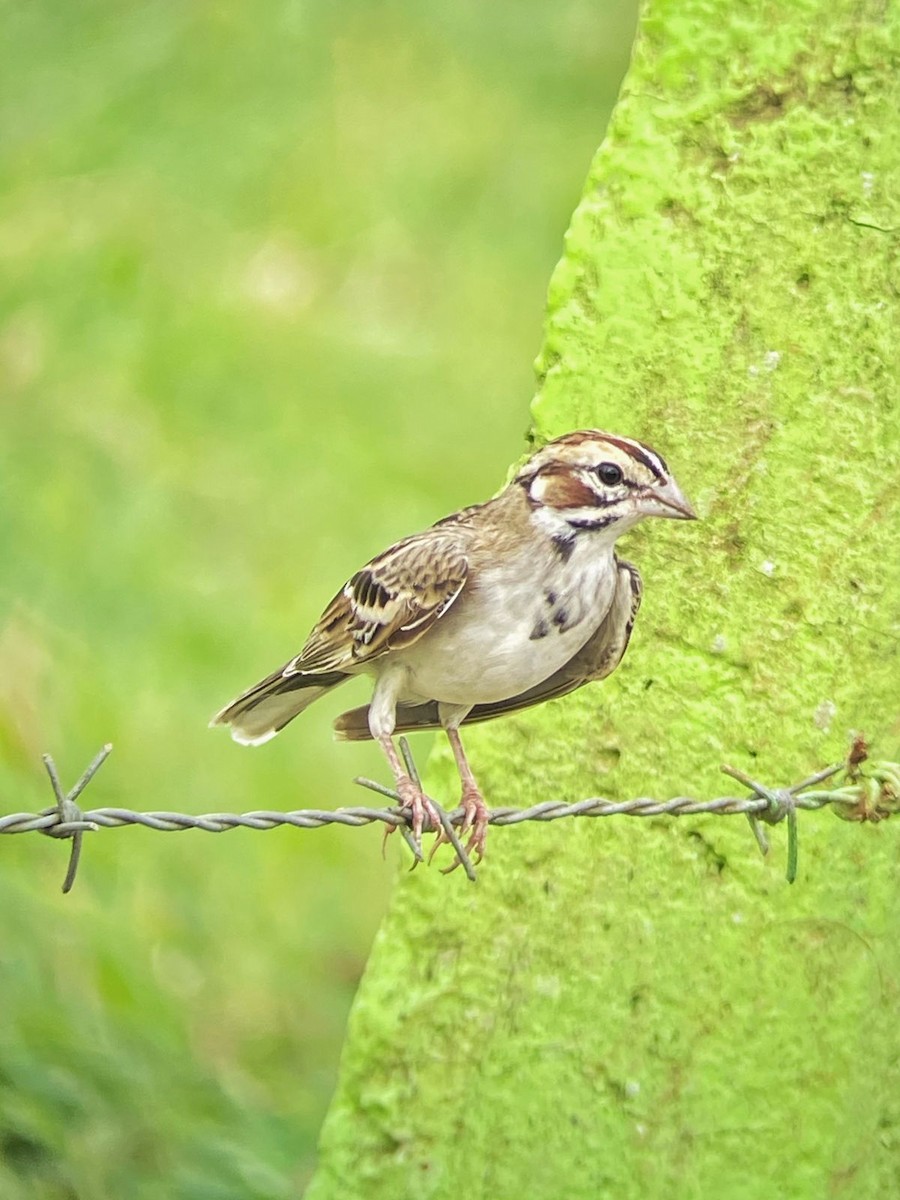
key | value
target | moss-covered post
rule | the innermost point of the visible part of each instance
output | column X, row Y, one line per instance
column 646, row 1009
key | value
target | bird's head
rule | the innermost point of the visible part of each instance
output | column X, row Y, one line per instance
column 591, row 481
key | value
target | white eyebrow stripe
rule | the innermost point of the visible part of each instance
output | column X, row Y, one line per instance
column 642, row 454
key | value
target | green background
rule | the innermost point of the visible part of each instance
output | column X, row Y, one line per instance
column 272, row 277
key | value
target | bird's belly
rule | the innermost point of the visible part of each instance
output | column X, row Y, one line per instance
column 470, row 670
column 488, row 650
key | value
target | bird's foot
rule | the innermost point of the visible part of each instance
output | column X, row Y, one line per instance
column 420, row 806
column 475, row 823
column 475, row 819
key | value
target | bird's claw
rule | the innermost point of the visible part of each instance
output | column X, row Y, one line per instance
column 419, row 806
column 475, row 822
column 476, row 818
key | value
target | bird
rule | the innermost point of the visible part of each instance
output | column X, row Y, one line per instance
column 498, row 607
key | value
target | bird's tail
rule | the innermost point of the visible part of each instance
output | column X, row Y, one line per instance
column 263, row 710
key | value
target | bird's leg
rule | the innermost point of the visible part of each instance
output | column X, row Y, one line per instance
column 382, row 719
column 474, row 807
column 410, row 793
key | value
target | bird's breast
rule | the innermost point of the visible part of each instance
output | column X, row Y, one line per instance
column 512, row 627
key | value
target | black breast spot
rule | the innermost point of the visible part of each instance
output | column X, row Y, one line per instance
column 540, row 630
column 560, row 618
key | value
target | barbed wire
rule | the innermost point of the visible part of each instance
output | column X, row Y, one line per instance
column 869, row 793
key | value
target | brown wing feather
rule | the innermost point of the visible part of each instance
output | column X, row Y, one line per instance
column 390, row 603
column 599, row 657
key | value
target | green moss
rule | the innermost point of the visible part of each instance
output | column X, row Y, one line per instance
column 647, row 1009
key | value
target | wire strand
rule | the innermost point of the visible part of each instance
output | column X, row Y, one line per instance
column 869, row 794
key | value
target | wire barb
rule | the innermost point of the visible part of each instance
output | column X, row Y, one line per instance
column 780, row 804
column 71, row 821
column 870, row 792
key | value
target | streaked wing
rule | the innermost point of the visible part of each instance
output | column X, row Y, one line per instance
column 388, row 604
column 599, row 657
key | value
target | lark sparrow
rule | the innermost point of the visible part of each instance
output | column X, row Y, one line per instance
column 498, row 607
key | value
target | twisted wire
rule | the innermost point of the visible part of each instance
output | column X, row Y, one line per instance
column 48, row 819
column 870, row 797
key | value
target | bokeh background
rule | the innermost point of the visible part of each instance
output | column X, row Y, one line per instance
column 271, row 284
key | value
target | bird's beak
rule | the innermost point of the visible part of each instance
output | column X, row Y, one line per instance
column 667, row 501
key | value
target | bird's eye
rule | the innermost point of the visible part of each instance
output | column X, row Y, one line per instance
column 609, row 473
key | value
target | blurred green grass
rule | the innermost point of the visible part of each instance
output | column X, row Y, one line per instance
column 272, row 282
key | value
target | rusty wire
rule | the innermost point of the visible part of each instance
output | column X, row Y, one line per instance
column 871, row 796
